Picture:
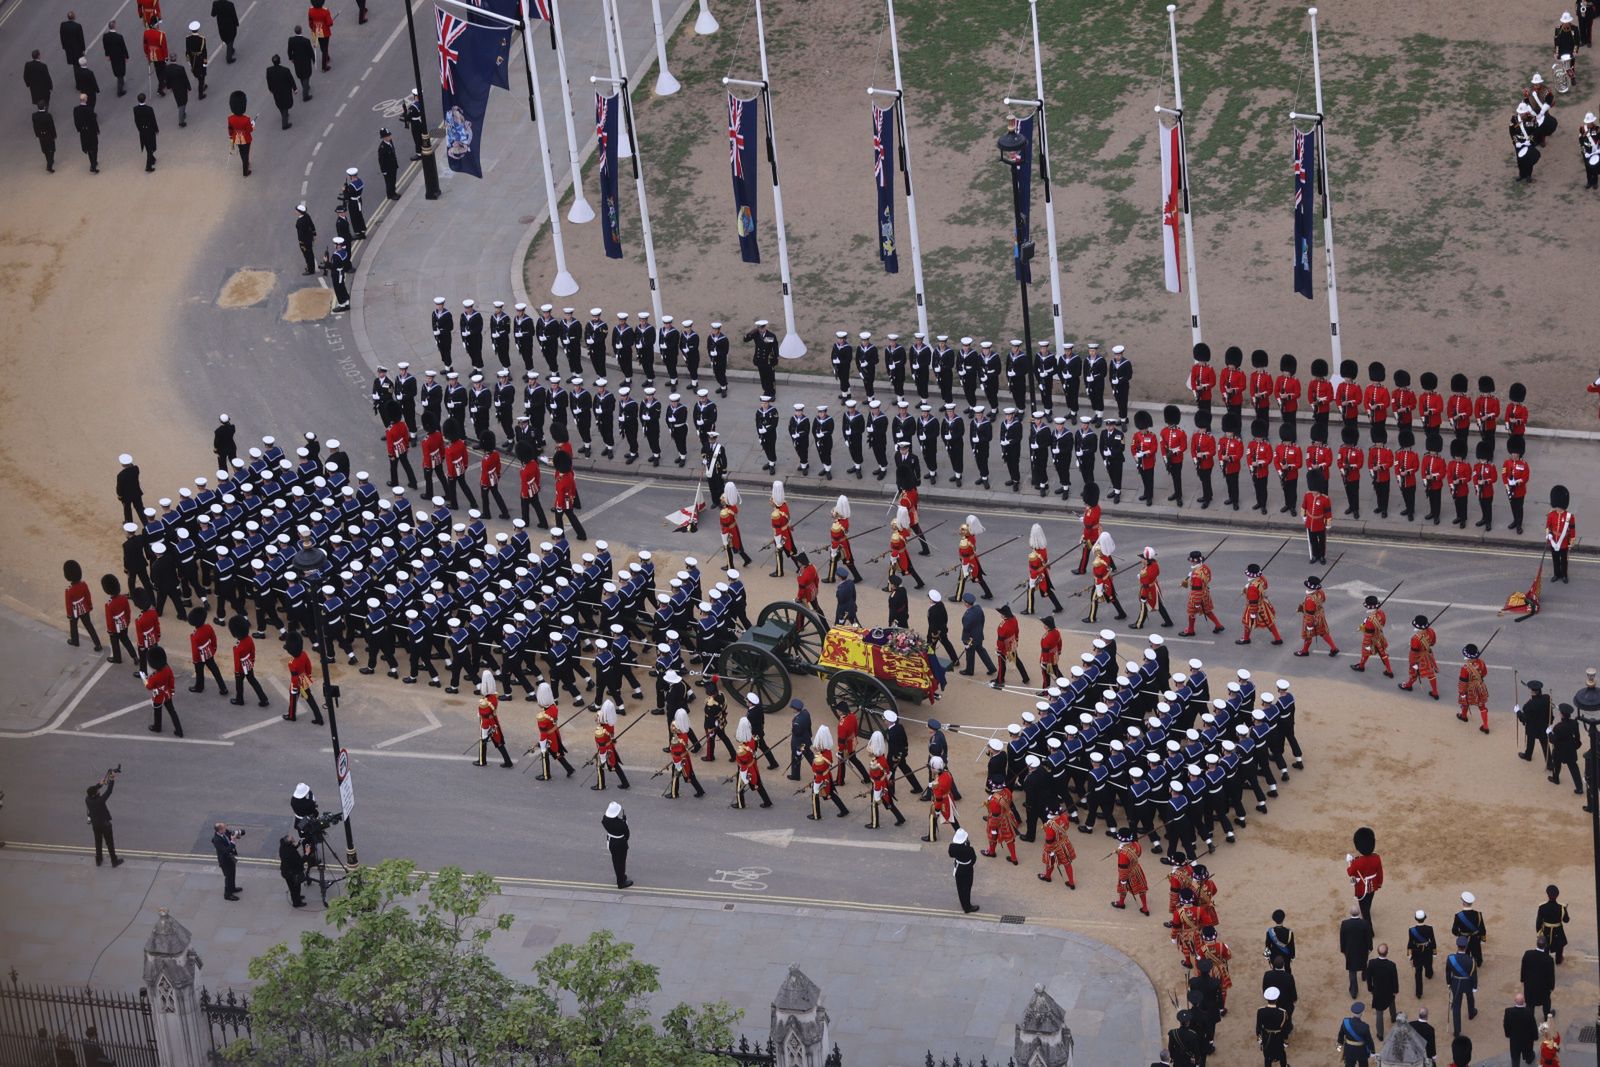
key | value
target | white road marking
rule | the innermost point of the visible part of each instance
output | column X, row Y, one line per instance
column 433, row 724
column 316, row 148
column 354, row 89
column 72, row 705
column 104, row 28
column 328, row 130
column 786, row 837
column 151, row 736
column 365, row 73
column 308, row 169
column 252, row 727
column 342, row 106
column 113, row 715
column 394, row 35
column 619, row 498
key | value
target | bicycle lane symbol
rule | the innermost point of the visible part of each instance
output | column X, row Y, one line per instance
column 390, row 109
column 745, row 878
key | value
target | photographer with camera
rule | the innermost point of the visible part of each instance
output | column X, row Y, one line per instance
column 222, row 839
column 100, row 816
column 292, row 865
column 311, row 825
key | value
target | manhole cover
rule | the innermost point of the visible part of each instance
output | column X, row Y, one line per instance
column 1014, row 920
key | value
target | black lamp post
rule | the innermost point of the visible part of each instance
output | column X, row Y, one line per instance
column 430, row 163
column 312, row 563
column 1587, row 702
column 1013, row 153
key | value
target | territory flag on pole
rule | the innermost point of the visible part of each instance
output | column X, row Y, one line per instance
column 883, row 168
column 1172, row 197
column 742, row 164
column 1024, row 128
column 605, row 131
column 1305, row 187
column 466, row 73
column 511, row 9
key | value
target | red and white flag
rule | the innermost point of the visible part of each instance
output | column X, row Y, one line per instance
column 1172, row 192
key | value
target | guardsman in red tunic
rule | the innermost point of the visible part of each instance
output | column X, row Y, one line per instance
column 782, row 535
column 849, row 736
column 119, row 616
column 146, row 629
column 1174, row 443
column 489, row 731
column 1560, row 531
column 79, row 604
column 1373, row 641
column 1484, row 477
column 1430, row 405
column 1421, row 662
column 900, row 548
column 1351, row 460
column 1433, row 469
column 940, row 806
column 1407, row 466
column 155, row 50
column 1150, row 590
column 1486, row 410
column 969, row 565
column 907, row 499
column 1261, row 383
column 1039, row 583
column 1375, row 399
column 1005, row 648
column 203, row 652
column 606, row 756
column 1258, row 456
column 1049, row 652
column 1143, row 448
column 1314, row 618
column 1130, row 876
column 1001, row 825
column 1104, row 590
column 566, row 503
column 432, row 458
column 1197, row 583
column 1230, row 453
column 1458, row 407
column 728, row 520
column 1258, row 612
column 397, row 444
column 822, row 777
column 1217, row 953
column 1231, row 382
column 1058, row 847
column 880, row 781
column 1348, row 394
column 1203, row 446
column 806, row 582
column 839, row 551
column 1287, row 460
column 747, row 772
column 1380, row 469
column 1317, row 512
column 300, row 677
column 1202, row 377
column 149, row 9
column 244, row 661
column 530, row 479
column 1514, row 474
column 1472, row 688
column 1091, row 525
column 161, row 685
column 489, row 471
column 1458, row 476
column 678, row 755
column 1516, row 413
column 551, row 747
column 456, row 464
column 1319, row 460
column 1286, row 387
column 1319, row 392
column 320, row 19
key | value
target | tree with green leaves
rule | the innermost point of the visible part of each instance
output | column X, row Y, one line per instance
column 406, row 977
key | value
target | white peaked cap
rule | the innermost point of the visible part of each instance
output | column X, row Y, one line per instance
column 936, row 762
column 960, row 837
column 613, row 810
column 302, row 791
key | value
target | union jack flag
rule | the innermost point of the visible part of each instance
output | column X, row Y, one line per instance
column 735, row 136
column 450, row 30
column 540, row 9
column 1300, row 183
column 878, row 169
column 602, row 107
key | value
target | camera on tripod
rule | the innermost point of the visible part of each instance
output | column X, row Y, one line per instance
column 313, row 828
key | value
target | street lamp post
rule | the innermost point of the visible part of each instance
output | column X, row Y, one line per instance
column 1587, row 701
column 1013, row 147
column 430, row 162
column 312, row 563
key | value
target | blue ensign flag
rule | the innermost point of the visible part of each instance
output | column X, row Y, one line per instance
column 1025, row 176
column 1305, row 188
column 605, row 131
column 742, row 165
column 467, row 60
column 883, row 171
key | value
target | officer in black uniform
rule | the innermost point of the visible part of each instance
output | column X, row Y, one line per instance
column 1113, row 451
column 767, row 432
column 953, row 433
column 628, row 420
column 822, row 435
column 305, row 232
column 471, row 329
column 444, row 325
column 867, row 362
column 717, row 353
column 878, row 437
column 764, row 357
column 388, row 163
column 854, row 428
column 800, row 436
column 842, row 355
column 980, row 433
column 1011, row 447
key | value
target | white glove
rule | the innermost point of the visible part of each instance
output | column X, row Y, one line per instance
column 1348, row 857
column 744, row 777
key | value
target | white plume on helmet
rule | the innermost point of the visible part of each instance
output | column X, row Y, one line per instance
column 1107, row 545
column 486, row 682
column 973, row 524
column 680, row 721
column 545, row 695
column 742, row 733
column 730, row 494
column 1036, row 537
column 823, row 738
column 841, row 507
column 777, row 493
column 877, row 745
column 608, row 713
column 902, row 518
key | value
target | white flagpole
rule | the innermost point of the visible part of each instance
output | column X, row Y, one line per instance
column 564, row 284
column 706, row 24
column 1327, row 198
column 581, row 211
column 614, row 26
column 791, row 347
column 1049, row 205
column 1183, row 165
column 666, row 84
column 911, row 198
column 624, row 138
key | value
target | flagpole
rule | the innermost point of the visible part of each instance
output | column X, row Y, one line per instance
column 1183, row 167
column 614, row 26
column 706, row 24
column 791, row 347
column 666, row 84
column 564, row 283
column 581, row 211
column 911, row 198
column 1327, row 198
column 1049, row 204
column 625, row 141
